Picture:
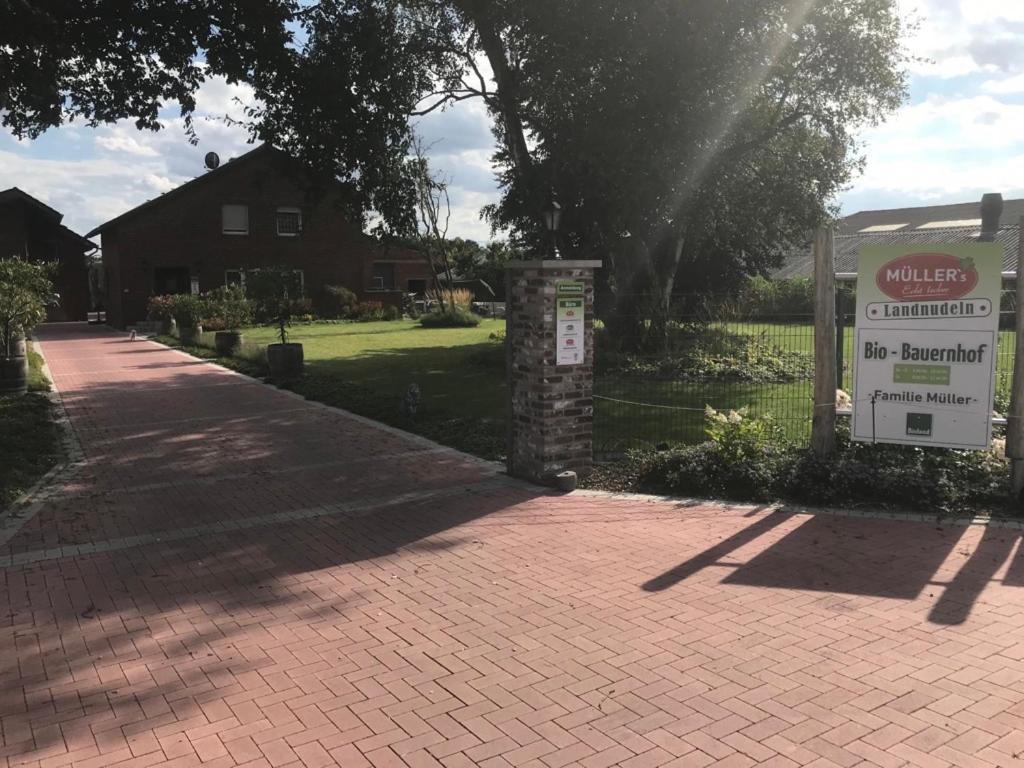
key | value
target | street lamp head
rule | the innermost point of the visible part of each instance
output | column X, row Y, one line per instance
column 552, row 213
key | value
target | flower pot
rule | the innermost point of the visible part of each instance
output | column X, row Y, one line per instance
column 14, row 370
column 167, row 326
column 227, row 343
column 190, row 337
column 285, row 362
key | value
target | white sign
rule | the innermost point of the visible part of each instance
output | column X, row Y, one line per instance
column 926, row 344
column 569, row 338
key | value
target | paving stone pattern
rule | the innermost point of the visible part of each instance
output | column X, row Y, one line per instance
column 237, row 577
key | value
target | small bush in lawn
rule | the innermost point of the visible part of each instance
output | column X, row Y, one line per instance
column 392, row 313
column 368, row 311
column 340, row 301
column 448, row 318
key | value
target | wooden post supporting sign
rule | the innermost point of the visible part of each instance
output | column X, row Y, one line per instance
column 823, row 423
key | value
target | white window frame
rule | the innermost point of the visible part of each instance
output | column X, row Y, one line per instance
column 277, row 221
column 223, row 219
column 377, row 282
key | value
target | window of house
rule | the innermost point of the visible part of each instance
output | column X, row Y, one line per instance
column 235, row 219
column 419, row 287
column 289, row 222
column 383, row 277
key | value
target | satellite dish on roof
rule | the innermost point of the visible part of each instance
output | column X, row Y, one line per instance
column 212, row 160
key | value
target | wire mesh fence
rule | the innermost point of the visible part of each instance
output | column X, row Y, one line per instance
column 655, row 378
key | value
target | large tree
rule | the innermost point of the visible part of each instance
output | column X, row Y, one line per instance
column 686, row 138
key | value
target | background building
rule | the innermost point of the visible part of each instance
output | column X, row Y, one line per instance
column 32, row 230
column 258, row 210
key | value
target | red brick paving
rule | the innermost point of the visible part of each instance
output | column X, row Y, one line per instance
column 425, row 611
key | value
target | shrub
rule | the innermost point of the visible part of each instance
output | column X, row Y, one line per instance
column 277, row 295
column 767, row 299
column 25, row 292
column 447, row 318
column 700, row 353
column 160, row 307
column 461, row 297
column 187, row 310
column 340, row 301
column 392, row 313
column 745, row 459
column 227, row 309
column 368, row 311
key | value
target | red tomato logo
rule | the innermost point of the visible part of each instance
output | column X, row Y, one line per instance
column 927, row 277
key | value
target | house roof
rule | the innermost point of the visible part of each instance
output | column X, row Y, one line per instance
column 188, row 185
column 959, row 223
column 54, row 217
column 17, row 195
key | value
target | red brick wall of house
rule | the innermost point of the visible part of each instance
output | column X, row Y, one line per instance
column 185, row 231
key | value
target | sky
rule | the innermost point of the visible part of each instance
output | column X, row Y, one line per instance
column 960, row 134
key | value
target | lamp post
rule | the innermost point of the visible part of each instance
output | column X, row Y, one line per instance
column 552, row 220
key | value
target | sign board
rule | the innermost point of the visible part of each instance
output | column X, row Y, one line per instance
column 926, row 339
column 570, row 347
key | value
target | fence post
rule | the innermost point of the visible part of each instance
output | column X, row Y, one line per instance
column 823, row 421
column 549, row 319
column 840, row 335
column 1015, row 418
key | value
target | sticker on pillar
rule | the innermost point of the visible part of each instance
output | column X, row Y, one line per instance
column 569, row 308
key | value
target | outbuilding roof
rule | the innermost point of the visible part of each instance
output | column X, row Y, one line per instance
column 958, row 223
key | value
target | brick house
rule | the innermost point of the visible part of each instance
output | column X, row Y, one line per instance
column 32, row 230
column 254, row 211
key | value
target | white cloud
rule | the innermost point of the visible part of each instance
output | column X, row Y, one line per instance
column 94, row 174
column 960, row 136
column 946, row 148
column 116, row 141
column 1006, row 86
column 964, row 37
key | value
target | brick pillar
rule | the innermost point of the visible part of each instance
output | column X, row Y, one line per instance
column 551, row 410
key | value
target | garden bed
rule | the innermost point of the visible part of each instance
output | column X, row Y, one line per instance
column 29, row 436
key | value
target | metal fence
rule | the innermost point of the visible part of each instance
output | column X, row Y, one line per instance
column 654, row 379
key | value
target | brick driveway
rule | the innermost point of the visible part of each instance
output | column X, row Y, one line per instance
column 234, row 576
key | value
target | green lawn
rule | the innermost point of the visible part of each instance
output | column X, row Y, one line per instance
column 29, row 442
column 459, row 371
column 368, row 367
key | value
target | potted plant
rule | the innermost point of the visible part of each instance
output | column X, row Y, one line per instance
column 277, row 292
column 230, row 310
column 187, row 310
column 161, row 309
column 25, row 292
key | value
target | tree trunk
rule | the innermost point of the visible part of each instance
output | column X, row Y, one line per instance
column 507, row 93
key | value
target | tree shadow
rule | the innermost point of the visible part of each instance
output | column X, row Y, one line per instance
column 871, row 557
column 975, row 575
column 879, row 558
column 713, row 555
column 189, row 488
